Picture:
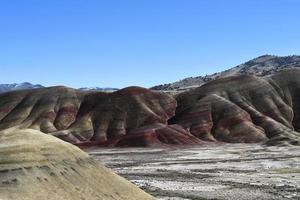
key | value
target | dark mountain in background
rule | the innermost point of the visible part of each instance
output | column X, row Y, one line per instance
column 18, row 86
column 261, row 66
column 100, row 89
column 27, row 85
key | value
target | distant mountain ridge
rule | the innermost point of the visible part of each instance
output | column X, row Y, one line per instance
column 27, row 85
column 18, row 86
column 103, row 89
column 261, row 66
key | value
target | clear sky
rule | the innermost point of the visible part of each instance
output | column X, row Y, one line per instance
column 117, row 43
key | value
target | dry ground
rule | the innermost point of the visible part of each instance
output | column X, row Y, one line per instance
column 232, row 171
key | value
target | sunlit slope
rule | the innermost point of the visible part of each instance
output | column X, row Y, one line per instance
column 36, row 166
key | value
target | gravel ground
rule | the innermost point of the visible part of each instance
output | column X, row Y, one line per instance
column 232, row 171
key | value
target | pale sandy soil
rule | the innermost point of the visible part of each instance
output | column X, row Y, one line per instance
column 233, row 171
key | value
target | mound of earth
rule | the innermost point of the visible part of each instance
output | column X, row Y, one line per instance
column 243, row 108
column 157, row 135
column 85, row 118
column 35, row 166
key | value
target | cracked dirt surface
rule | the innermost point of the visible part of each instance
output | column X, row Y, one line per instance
column 231, row 171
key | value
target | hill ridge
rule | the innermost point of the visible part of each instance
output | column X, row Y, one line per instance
column 260, row 66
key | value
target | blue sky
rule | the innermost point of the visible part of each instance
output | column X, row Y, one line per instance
column 138, row 42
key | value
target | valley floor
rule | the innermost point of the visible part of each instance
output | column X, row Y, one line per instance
column 232, row 171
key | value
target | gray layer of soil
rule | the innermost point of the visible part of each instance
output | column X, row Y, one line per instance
column 233, row 171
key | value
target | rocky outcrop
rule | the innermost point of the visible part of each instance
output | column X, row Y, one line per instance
column 243, row 109
column 36, row 166
column 85, row 118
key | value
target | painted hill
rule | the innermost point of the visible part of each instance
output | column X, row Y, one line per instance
column 36, row 166
column 89, row 118
column 261, row 66
column 243, row 108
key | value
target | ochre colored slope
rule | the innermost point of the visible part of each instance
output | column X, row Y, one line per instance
column 36, row 166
